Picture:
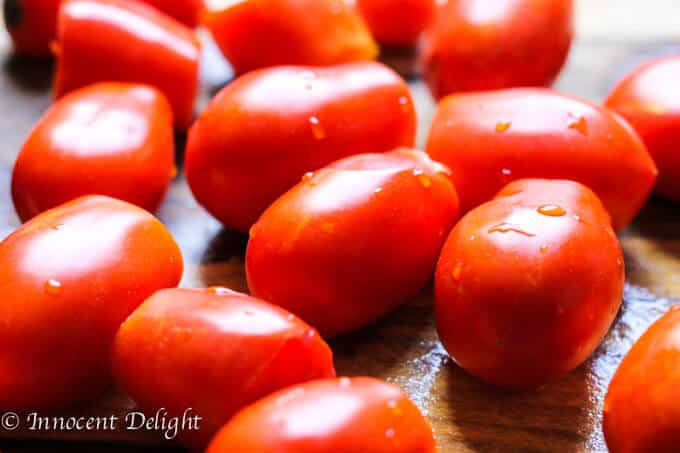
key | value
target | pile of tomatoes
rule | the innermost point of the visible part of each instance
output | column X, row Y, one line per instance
column 513, row 207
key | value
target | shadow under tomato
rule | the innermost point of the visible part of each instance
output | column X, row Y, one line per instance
column 29, row 74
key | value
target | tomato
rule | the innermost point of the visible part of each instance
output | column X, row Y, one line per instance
column 254, row 34
column 119, row 40
column 528, row 284
column 397, row 22
column 649, row 100
column 353, row 240
column 641, row 412
column 70, row 277
column 214, row 351
column 491, row 44
column 490, row 139
column 185, row 11
column 262, row 132
column 109, row 138
column 32, row 25
column 348, row 415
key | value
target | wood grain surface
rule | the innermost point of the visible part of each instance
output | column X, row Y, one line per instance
column 403, row 348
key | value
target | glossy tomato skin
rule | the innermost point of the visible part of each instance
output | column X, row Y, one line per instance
column 348, row 415
column 353, row 241
column 215, row 351
column 490, row 139
column 397, row 22
column 124, row 41
column 490, row 44
column 648, row 98
column 109, row 138
column 528, row 284
column 70, row 277
column 32, row 25
column 255, row 34
column 641, row 413
column 262, row 132
column 185, row 11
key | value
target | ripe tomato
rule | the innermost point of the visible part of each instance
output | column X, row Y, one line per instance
column 641, row 412
column 70, row 277
column 649, row 99
column 354, row 240
column 528, row 284
column 32, row 24
column 490, row 139
column 254, row 34
column 185, row 11
column 263, row 131
column 215, row 351
column 109, row 138
column 357, row 415
column 120, row 40
column 397, row 22
column 492, row 44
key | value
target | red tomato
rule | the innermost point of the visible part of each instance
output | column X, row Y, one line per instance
column 397, row 22
column 215, row 351
column 354, row 240
column 357, row 415
column 490, row 139
column 70, row 277
column 258, row 33
column 649, row 99
column 109, row 138
column 528, row 284
column 263, row 131
column 185, row 11
column 492, row 44
column 641, row 412
column 32, row 25
column 119, row 40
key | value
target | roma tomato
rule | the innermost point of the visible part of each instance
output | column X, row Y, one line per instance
column 124, row 41
column 490, row 139
column 397, row 22
column 353, row 240
column 262, row 132
column 109, row 139
column 70, row 277
column 185, row 11
column 215, row 351
column 641, row 412
column 528, row 284
column 254, row 34
column 32, row 24
column 348, row 415
column 649, row 99
column 491, row 44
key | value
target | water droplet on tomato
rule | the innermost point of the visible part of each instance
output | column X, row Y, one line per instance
column 506, row 172
column 53, row 287
column 389, row 433
column 404, row 104
column 457, row 271
column 220, row 290
column 551, row 210
column 544, row 249
column 317, row 129
column 378, row 190
column 509, row 228
column 502, row 127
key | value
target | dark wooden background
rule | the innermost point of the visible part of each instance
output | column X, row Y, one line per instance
column 403, row 348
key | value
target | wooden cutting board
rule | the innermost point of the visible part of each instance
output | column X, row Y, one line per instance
column 403, row 348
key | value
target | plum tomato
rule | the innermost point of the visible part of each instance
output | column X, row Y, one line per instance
column 262, row 132
column 109, row 138
column 71, row 276
column 348, row 415
column 353, row 240
column 649, row 99
column 641, row 412
column 490, row 139
column 32, row 25
column 529, row 283
column 397, row 22
column 215, row 351
column 186, row 11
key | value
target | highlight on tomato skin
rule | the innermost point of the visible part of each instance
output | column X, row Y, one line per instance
column 641, row 412
column 263, row 131
column 213, row 350
column 127, row 41
column 186, row 11
column 528, row 284
column 648, row 98
column 489, row 139
column 108, row 138
column 32, row 25
column 397, row 22
column 353, row 240
column 349, row 415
